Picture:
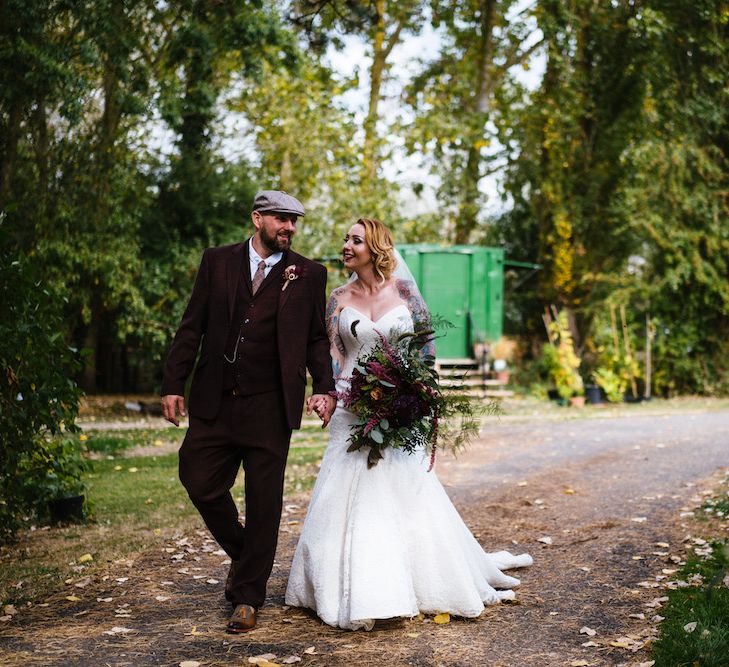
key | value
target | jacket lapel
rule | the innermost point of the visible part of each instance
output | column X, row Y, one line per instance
column 237, row 261
column 288, row 259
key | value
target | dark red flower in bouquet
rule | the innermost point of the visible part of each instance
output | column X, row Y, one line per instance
column 407, row 409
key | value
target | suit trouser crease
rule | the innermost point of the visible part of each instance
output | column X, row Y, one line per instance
column 251, row 431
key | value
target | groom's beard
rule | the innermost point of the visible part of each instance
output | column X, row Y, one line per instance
column 276, row 242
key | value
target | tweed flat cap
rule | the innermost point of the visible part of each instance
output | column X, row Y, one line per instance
column 276, row 201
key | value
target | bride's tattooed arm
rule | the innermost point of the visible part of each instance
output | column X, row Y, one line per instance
column 336, row 345
column 409, row 293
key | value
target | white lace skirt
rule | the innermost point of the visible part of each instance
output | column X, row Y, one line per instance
column 387, row 542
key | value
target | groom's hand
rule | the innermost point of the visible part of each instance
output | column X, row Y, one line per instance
column 323, row 405
column 171, row 405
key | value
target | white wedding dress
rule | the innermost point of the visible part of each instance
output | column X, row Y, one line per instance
column 387, row 541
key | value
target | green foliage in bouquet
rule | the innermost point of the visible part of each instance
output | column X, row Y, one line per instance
column 395, row 394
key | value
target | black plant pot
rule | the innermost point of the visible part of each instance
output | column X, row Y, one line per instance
column 66, row 509
column 594, row 394
column 553, row 395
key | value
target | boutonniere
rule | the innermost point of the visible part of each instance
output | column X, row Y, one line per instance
column 290, row 274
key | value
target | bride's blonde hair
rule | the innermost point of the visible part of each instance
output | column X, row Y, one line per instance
column 381, row 246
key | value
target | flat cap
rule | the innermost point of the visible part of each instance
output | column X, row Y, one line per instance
column 277, row 201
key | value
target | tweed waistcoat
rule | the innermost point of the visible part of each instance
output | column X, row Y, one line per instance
column 252, row 340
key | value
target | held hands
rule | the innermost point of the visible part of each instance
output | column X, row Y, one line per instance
column 171, row 405
column 323, row 405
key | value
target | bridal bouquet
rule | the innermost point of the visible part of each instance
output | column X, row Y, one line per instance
column 395, row 394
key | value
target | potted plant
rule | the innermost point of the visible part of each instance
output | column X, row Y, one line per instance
column 57, row 466
column 562, row 363
column 502, row 353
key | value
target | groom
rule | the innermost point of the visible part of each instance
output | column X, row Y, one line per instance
column 258, row 310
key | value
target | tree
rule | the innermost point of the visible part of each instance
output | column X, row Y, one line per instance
column 382, row 24
column 675, row 197
column 458, row 99
column 566, row 145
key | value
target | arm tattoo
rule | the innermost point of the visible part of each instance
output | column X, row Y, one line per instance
column 332, row 324
column 408, row 292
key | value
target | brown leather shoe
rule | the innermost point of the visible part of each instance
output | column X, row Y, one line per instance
column 229, row 581
column 243, row 619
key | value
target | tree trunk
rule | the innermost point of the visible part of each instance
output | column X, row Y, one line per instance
column 9, row 153
column 379, row 54
column 480, row 106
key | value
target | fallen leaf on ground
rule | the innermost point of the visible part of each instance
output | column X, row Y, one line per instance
column 589, row 644
column 189, row 663
column 5, row 619
column 212, row 581
column 104, row 599
column 194, row 632
column 638, row 616
column 9, row 610
column 442, row 619
column 584, row 630
column 545, row 540
column 290, row 660
column 118, row 630
column 690, row 627
column 73, row 598
column 161, row 598
column 579, row 663
column 569, row 492
column 310, row 651
column 639, row 519
column 263, row 660
column 86, row 558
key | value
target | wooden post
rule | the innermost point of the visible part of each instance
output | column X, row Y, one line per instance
column 628, row 353
column 648, row 359
column 614, row 329
column 547, row 319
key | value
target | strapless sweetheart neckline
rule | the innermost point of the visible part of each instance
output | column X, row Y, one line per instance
column 381, row 317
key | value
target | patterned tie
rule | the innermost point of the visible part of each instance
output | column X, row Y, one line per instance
column 258, row 276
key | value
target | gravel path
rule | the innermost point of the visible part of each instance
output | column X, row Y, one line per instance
column 595, row 501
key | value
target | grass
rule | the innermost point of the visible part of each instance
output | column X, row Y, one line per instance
column 136, row 503
column 707, row 605
column 115, row 441
column 122, row 441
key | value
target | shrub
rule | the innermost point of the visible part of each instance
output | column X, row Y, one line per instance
column 38, row 397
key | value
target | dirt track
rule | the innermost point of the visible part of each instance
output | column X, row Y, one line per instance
column 605, row 491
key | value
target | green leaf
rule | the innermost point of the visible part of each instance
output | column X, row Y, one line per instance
column 376, row 435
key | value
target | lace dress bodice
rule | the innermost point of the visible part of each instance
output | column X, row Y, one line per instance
column 360, row 334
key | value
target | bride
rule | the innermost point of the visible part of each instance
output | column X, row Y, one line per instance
column 384, row 542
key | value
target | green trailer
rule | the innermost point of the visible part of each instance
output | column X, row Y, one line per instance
column 463, row 285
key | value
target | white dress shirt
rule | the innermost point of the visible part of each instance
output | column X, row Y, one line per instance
column 256, row 259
